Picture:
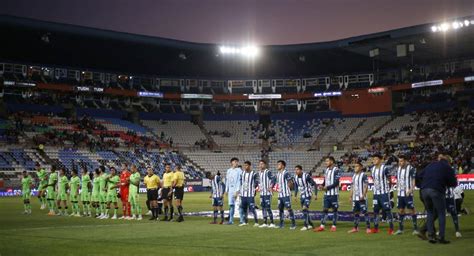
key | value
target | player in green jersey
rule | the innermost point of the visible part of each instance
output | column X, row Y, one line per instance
column 102, row 191
column 85, row 192
column 26, row 184
column 112, row 184
column 133, row 194
column 62, row 192
column 96, row 192
column 51, row 190
column 42, row 184
column 74, row 193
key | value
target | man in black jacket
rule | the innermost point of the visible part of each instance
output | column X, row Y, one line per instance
column 435, row 178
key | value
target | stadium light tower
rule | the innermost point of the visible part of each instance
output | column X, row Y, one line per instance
column 250, row 51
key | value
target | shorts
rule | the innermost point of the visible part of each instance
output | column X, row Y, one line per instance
column 359, row 206
column 284, row 202
column 450, row 205
column 112, row 197
column 247, row 202
column 152, row 194
column 179, row 193
column 164, row 194
column 124, row 194
column 217, row 201
column 405, row 202
column 133, row 198
column 62, row 196
column 42, row 185
column 26, row 195
column 331, row 202
column 305, row 202
column 73, row 197
column 103, row 197
column 85, row 196
column 51, row 194
column 95, row 197
column 382, row 201
column 266, row 202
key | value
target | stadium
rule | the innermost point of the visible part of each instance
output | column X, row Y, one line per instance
column 165, row 131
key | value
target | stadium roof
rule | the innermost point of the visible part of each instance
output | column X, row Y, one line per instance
column 23, row 40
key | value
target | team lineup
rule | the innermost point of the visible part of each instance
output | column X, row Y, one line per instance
column 99, row 194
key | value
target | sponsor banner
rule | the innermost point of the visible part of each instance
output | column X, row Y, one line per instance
column 264, row 96
column 327, row 94
column 465, row 180
column 19, row 84
column 427, row 83
column 89, row 89
column 150, row 94
column 196, row 96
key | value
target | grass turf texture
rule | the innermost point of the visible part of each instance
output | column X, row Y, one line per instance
column 39, row 234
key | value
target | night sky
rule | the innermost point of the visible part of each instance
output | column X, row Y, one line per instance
column 261, row 22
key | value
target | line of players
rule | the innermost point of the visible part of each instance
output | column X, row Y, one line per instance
column 100, row 192
column 243, row 184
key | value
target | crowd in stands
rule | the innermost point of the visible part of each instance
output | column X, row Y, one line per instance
column 449, row 131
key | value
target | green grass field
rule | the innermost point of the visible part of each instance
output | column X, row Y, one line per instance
column 39, row 234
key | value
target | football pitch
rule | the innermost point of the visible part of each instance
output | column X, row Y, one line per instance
column 39, row 234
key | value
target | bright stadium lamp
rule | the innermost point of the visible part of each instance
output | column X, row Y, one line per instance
column 466, row 23
column 455, row 25
column 434, row 28
column 444, row 26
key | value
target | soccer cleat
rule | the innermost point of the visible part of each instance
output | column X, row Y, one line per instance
column 71, row 215
column 263, row 226
column 59, row 214
column 25, row 212
column 243, row 224
column 51, row 213
column 333, row 229
column 272, row 226
column 77, row 215
column 368, row 231
column 443, row 241
column 390, row 231
column 212, row 222
column 320, row 229
column 304, row 229
column 114, row 217
column 180, row 219
column 398, row 232
column 458, row 234
column 292, row 227
column 353, row 230
column 256, row 225
column 374, row 231
column 422, row 235
column 220, row 223
column 310, row 227
column 415, row 232
column 148, row 213
column 229, row 223
column 139, row 217
column 123, row 218
column 42, row 207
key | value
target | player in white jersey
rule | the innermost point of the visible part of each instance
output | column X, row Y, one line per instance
column 358, row 198
column 248, row 185
column 305, row 184
column 451, row 208
column 405, row 188
column 266, row 182
column 381, row 178
column 285, row 182
column 232, row 182
column 217, row 192
column 331, row 194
